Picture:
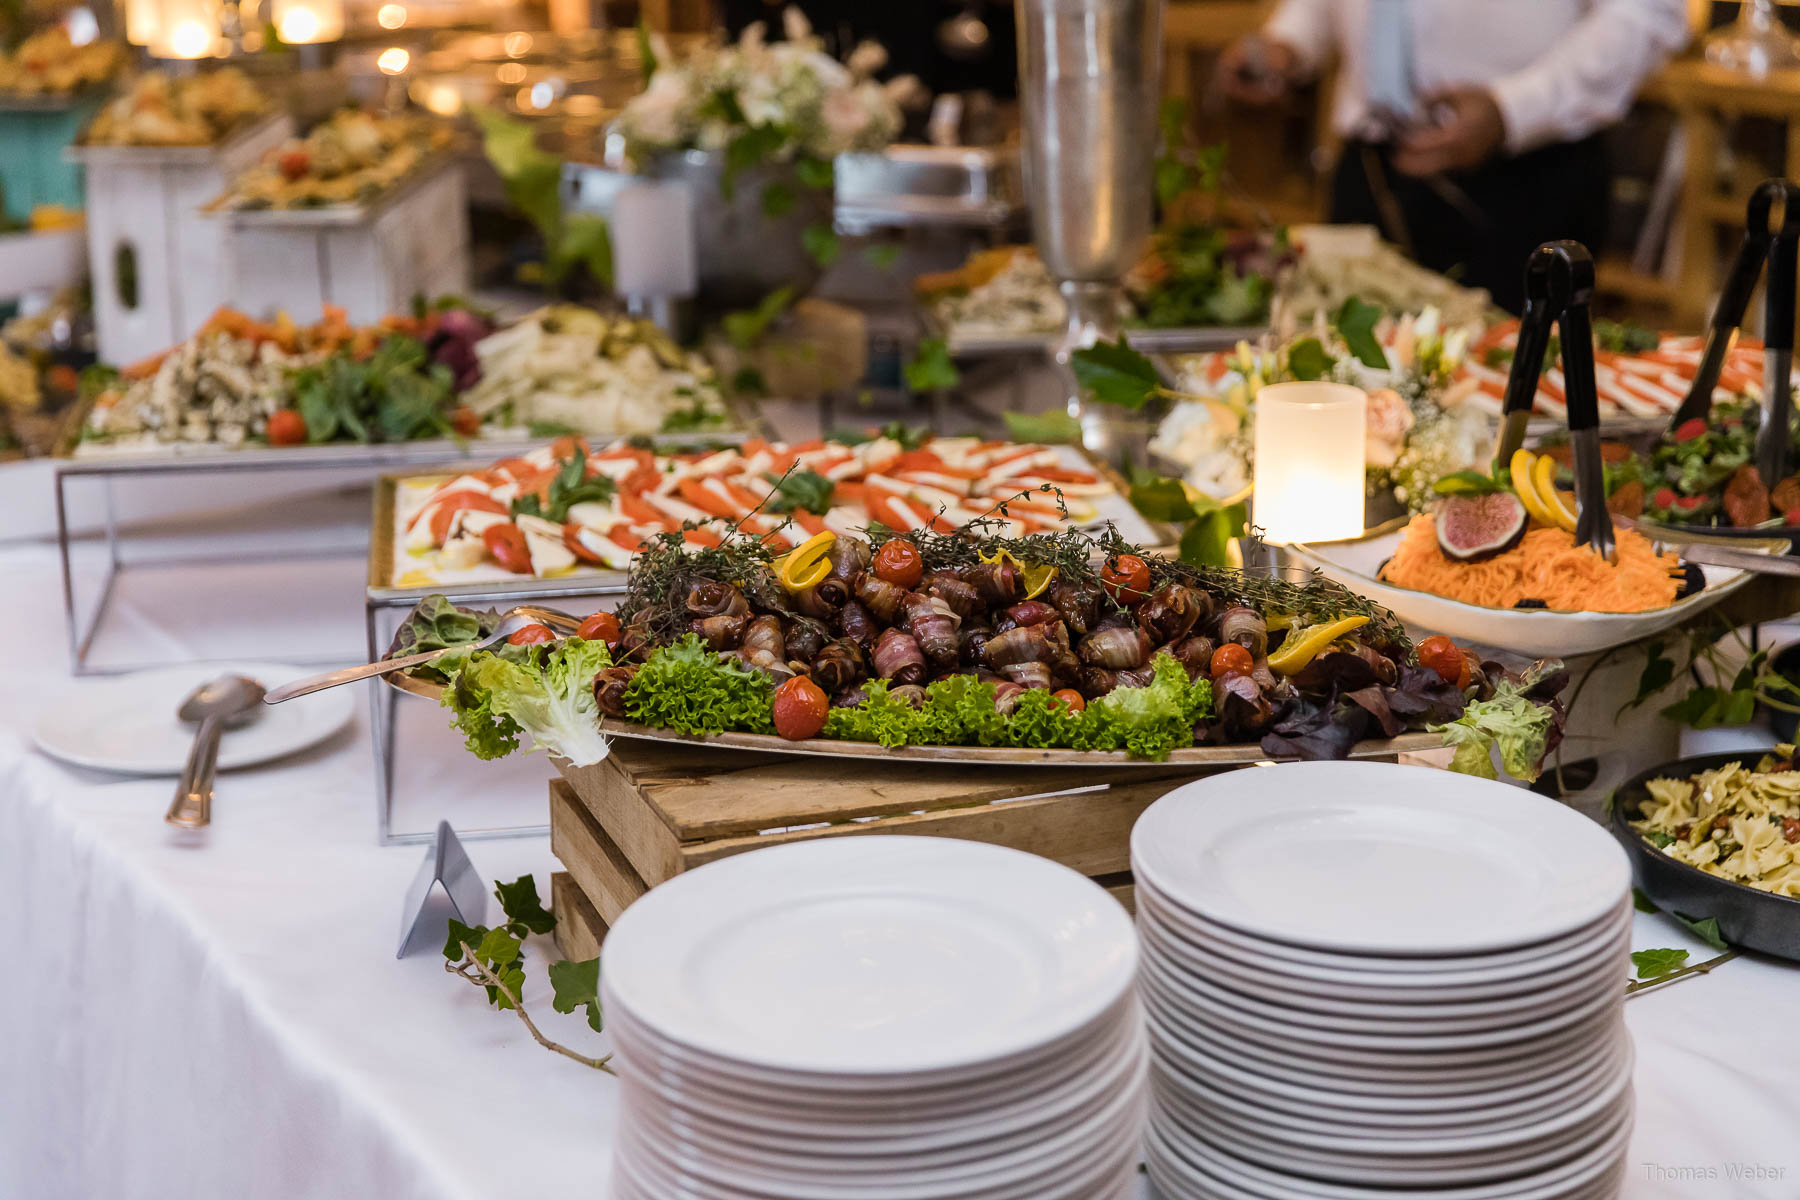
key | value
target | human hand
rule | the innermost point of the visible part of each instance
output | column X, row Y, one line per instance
column 1257, row 69
column 1471, row 131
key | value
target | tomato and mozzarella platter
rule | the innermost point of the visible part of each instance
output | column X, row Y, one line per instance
column 538, row 515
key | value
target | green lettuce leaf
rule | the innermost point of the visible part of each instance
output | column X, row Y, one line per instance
column 1518, row 727
column 548, row 694
column 1150, row 721
column 697, row 691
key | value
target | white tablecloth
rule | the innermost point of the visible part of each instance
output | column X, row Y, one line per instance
column 222, row 1016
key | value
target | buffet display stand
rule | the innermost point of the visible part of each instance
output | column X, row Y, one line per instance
column 36, row 130
column 368, row 259
column 653, row 809
column 160, row 265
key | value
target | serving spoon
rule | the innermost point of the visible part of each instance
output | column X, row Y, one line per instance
column 514, row 620
column 215, row 704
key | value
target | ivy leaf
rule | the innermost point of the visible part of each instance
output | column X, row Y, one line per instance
column 1654, row 964
column 498, row 946
column 1658, row 673
column 532, row 177
column 577, row 985
column 1355, row 321
column 932, row 370
column 752, row 147
column 1707, row 931
column 519, row 900
column 1207, row 540
column 460, row 933
column 513, row 976
column 1698, row 708
column 820, row 243
column 1114, row 373
column 1641, row 902
column 777, row 199
column 1052, row 428
column 883, row 257
column 1307, row 359
column 583, row 238
column 1172, row 179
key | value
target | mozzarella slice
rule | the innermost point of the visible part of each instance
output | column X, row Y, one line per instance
column 609, row 551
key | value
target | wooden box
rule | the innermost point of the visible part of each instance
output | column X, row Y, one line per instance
column 160, row 265
column 369, row 260
column 650, row 811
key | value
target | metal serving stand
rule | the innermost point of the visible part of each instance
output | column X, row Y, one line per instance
column 104, row 470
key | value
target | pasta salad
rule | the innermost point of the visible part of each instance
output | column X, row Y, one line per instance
column 1734, row 822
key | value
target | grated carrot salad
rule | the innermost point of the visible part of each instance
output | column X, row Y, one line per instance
column 1546, row 565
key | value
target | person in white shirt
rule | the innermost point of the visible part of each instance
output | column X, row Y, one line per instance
column 1471, row 127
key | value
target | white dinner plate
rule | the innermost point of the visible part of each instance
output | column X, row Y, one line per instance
column 1100, row 1122
column 1190, row 1009
column 127, row 723
column 1184, row 939
column 1407, row 1029
column 1533, row 632
column 1379, row 859
column 846, row 1098
column 1196, row 1164
column 1432, row 1079
column 1478, row 1129
column 1303, row 1093
column 781, row 1126
column 872, row 956
column 1175, row 954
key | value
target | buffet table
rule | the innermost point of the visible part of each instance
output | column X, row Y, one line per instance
column 223, row 1015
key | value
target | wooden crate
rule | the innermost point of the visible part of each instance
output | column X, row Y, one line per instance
column 651, row 811
column 579, row 929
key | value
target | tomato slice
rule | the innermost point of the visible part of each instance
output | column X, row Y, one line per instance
column 702, row 537
column 454, row 503
column 643, row 512
column 572, row 539
column 695, row 491
column 507, row 544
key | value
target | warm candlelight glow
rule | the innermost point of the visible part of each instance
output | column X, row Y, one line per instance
column 510, row 73
column 191, row 39
column 302, row 22
column 142, row 20
column 391, row 16
column 517, row 44
column 1309, row 462
column 393, row 60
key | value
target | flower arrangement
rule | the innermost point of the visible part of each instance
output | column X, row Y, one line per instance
column 762, row 101
column 1417, row 429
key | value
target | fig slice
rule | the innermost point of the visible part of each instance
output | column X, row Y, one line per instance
column 1471, row 528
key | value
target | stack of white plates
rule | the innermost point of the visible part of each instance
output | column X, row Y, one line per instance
column 898, row 1018
column 1363, row 979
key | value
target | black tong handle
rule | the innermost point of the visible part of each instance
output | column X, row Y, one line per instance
column 1740, row 284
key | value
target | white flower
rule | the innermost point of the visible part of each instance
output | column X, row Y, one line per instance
column 1389, row 419
column 794, row 24
column 867, row 58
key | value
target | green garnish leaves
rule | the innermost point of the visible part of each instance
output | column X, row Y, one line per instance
column 548, row 693
column 1114, row 373
column 699, row 692
column 799, row 489
column 1643, row 903
column 1308, row 359
column 569, row 486
column 1654, row 964
column 1707, row 931
column 1355, row 321
column 1466, row 483
column 1520, row 728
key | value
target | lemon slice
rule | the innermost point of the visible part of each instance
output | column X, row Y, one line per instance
column 1303, row 645
column 1543, row 478
column 1520, row 470
column 807, row 564
column 1037, row 576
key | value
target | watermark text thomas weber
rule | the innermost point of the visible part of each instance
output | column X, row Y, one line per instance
column 1716, row 1172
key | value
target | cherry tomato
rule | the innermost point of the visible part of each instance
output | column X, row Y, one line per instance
column 1126, row 579
column 1073, row 700
column 506, row 543
column 286, row 427
column 1689, row 429
column 465, row 421
column 800, row 709
column 531, row 635
column 1441, row 655
column 455, row 502
column 294, row 164
column 1230, row 658
column 601, row 627
column 899, row 563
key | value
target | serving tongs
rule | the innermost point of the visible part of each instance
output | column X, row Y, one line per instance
column 1559, row 285
column 1779, row 248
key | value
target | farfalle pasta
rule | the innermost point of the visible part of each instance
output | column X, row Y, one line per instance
column 1734, row 822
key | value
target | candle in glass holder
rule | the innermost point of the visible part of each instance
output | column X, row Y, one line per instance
column 1309, row 447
